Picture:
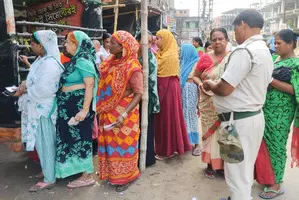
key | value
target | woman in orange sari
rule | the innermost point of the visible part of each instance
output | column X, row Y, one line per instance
column 119, row 94
column 210, row 66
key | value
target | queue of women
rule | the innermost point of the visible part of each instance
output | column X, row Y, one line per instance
column 63, row 104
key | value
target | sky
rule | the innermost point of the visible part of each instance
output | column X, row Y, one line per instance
column 219, row 5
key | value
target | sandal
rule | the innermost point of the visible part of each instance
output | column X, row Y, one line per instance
column 161, row 158
column 78, row 183
column 210, row 173
column 121, row 188
column 270, row 194
column 196, row 151
column 41, row 186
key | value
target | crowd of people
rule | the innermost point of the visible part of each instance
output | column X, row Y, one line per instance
column 88, row 99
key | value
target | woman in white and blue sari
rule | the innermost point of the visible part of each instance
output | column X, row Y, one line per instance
column 188, row 60
column 37, row 103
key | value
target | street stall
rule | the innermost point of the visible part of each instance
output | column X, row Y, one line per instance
column 18, row 19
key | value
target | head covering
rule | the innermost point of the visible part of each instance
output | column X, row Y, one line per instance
column 48, row 39
column 85, row 51
column 167, row 55
column 188, row 58
column 115, row 73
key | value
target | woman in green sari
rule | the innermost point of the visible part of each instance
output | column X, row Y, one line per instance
column 279, row 110
column 76, row 107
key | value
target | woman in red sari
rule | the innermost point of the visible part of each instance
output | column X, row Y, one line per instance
column 210, row 66
column 119, row 94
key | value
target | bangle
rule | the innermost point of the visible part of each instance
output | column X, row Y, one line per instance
column 124, row 115
column 86, row 108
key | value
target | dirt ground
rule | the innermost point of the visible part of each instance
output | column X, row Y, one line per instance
column 180, row 178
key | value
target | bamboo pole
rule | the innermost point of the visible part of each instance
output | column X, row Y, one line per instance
column 144, row 114
column 113, row 6
column 116, row 11
column 9, row 17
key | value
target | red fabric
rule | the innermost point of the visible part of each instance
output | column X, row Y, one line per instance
column 264, row 173
column 95, row 130
column 295, row 147
column 204, row 63
column 134, row 83
column 32, row 155
column 200, row 53
column 170, row 130
column 64, row 59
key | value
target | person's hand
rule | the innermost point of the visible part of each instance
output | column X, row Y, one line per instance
column 24, row 59
column 207, row 85
column 119, row 121
column 17, row 94
column 80, row 116
column 22, row 88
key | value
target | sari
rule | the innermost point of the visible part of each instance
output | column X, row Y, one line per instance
column 118, row 147
column 188, row 59
column 209, row 117
column 38, row 105
column 74, row 143
column 170, row 129
column 279, row 111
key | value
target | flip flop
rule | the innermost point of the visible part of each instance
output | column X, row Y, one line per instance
column 209, row 174
column 161, row 158
column 80, row 183
column 266, row 191
column 37, row 187
column 196, row 151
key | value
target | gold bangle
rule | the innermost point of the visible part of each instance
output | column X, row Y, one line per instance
column 86, row 108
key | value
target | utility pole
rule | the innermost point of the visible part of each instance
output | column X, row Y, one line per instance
column 198, row 17
column 284, row 11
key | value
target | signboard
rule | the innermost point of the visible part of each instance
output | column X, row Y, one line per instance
column 57, row 12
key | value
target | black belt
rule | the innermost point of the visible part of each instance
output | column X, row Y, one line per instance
column 224, row 117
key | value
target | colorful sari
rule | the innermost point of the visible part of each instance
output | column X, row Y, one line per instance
column 188, row 59
column 279, row 111
column 209, row 117
column 74, row 143
column 118, row 147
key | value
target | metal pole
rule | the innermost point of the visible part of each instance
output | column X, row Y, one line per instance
column 47, row 25
column 144, row 114
column 198, row 17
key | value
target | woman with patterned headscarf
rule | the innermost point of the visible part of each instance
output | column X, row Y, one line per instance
column 38, row 106
column 119, row 94
column 170, row 130
column 76, row 109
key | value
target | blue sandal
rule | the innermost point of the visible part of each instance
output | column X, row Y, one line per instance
column 266, row 195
